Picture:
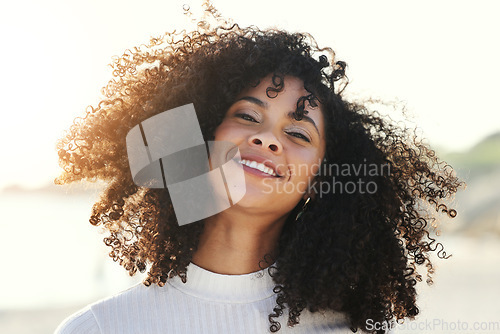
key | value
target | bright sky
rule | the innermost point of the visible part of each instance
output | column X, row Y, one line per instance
column 439, row 57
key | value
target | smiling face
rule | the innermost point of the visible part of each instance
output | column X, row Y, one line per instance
column 280, row 155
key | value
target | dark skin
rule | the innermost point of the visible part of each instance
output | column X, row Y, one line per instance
column 234, row 241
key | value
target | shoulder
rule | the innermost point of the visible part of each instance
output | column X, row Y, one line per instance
column 82, row 322
column 97, row 317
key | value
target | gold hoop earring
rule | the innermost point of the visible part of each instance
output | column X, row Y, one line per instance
column 304, row 208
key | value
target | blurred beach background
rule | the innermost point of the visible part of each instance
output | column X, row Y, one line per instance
column 439, row 59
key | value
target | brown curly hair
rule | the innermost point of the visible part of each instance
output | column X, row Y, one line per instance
column 354, row 253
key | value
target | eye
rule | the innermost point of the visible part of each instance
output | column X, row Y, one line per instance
column 246, row 117
column 298, row 135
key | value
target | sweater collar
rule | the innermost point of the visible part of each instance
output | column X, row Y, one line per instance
column 208, row 285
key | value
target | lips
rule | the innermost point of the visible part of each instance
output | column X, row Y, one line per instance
column 256, row 165
column 262, row 164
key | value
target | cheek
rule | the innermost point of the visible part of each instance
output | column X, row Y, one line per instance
column 306, row 163
column 232, row 132
column 224, row 132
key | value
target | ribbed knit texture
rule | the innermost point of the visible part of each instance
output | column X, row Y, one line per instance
column 208, row 303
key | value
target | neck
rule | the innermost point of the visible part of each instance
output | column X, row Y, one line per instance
column 234, row 242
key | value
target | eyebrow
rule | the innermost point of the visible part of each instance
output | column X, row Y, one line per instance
column 264, row 105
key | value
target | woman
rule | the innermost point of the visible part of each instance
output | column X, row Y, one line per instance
column 330, row 230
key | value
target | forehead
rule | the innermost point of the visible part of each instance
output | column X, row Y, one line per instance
column 287, row 87
column 284, row 90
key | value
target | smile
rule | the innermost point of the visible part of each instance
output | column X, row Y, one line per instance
column 258, row 166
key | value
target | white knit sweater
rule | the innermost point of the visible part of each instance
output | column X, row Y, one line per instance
column 207, row 303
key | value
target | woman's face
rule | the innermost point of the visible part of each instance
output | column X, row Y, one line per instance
column 280, row 155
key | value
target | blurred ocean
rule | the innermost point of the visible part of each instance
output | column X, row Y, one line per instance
column 54, row 262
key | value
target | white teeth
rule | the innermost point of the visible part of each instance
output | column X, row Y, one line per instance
column 259, row 166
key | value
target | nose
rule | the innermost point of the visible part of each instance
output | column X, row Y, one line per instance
column 267, row 141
